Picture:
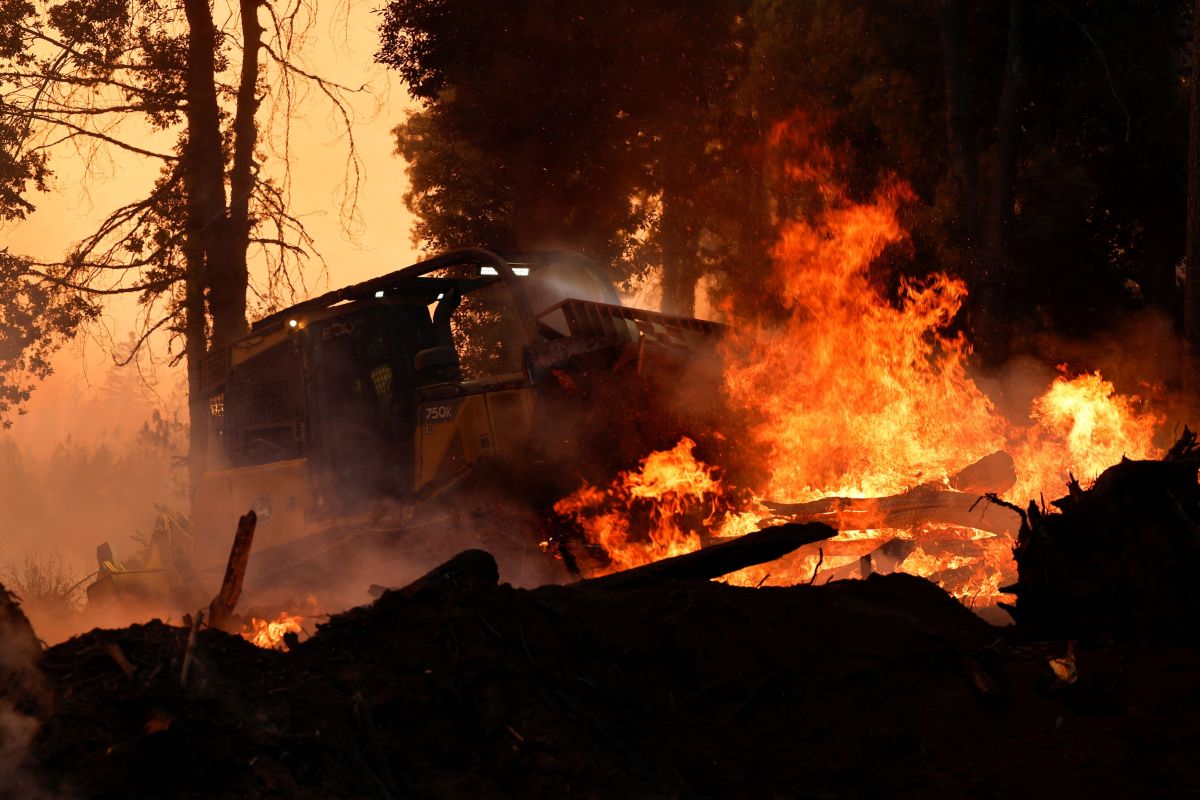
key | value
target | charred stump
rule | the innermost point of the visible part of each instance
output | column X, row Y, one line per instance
column 1120, row 562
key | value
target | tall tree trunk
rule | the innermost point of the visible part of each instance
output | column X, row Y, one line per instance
column 678, row 237
column 679, row 275
column 214, row 261
column 1191, row 289
column 241, row 180
column 964, row 156
column 195, row 344
column 206, row 165
column 751, row 264
column 991, row 339
column 1000, row 197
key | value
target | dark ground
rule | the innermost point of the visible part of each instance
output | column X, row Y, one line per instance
column 641, row 686
column 883, row 687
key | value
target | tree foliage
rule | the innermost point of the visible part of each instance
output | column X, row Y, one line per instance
column 34, row 322
column 561, row 122
column 160, row 80
column 1045, row 143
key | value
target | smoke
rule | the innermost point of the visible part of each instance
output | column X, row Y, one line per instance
column 87, row 465
column 23, row 698
column 337, row 574
column 1140, row 353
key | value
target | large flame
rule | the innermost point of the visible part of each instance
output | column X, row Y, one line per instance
column 854, row 395
column 1081, row 427
column 851, row 393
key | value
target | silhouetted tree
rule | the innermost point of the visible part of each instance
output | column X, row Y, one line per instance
column 92, row 74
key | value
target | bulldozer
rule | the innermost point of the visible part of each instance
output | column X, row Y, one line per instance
column 380, row 408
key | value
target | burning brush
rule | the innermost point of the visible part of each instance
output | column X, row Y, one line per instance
column 865, row 414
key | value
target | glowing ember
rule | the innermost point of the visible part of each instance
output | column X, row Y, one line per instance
column 268, row 634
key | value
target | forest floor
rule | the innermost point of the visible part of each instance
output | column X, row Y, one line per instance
column 885, row 686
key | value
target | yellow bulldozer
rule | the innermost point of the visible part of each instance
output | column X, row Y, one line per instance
column 380, row 408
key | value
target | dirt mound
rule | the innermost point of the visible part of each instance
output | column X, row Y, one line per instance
column 458, row 686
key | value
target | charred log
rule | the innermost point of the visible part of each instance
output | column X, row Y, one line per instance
column 721, row 559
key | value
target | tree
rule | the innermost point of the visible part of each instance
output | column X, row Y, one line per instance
column 563, row 123
column 34, row 322
column 1043, row 142
column 94, row 74
column 1191, row 308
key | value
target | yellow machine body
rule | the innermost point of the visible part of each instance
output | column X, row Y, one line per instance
column 349, row 411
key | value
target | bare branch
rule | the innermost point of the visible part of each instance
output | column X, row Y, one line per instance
column 141, row 340
column 81, row 131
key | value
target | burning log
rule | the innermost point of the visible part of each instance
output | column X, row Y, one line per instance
column 964, row 505
column 220, row 610
column 992, row 474
column 925, row 504
column 721, row 559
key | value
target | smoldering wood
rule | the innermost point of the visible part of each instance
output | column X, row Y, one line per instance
column 220, row 610
column 191, row 643
column 720, row 559
column 118, row 656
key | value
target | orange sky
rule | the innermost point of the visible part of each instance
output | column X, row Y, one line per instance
column 341, row 46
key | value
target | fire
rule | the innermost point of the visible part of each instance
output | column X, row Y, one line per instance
column 855, row 395
column 268, row 634
column 652, row 512
column 850, row 392
column 1081, row 427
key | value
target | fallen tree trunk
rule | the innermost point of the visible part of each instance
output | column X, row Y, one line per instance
column 720, row 559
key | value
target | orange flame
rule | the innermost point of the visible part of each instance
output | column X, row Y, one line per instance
column 852, row 394
column 268, row 634
column 1081, row 427
column 652, row 512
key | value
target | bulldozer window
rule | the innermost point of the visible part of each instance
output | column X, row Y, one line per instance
column 485, row 327
column 364, row 397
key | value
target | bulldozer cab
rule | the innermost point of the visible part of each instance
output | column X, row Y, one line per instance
column 352, row 407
